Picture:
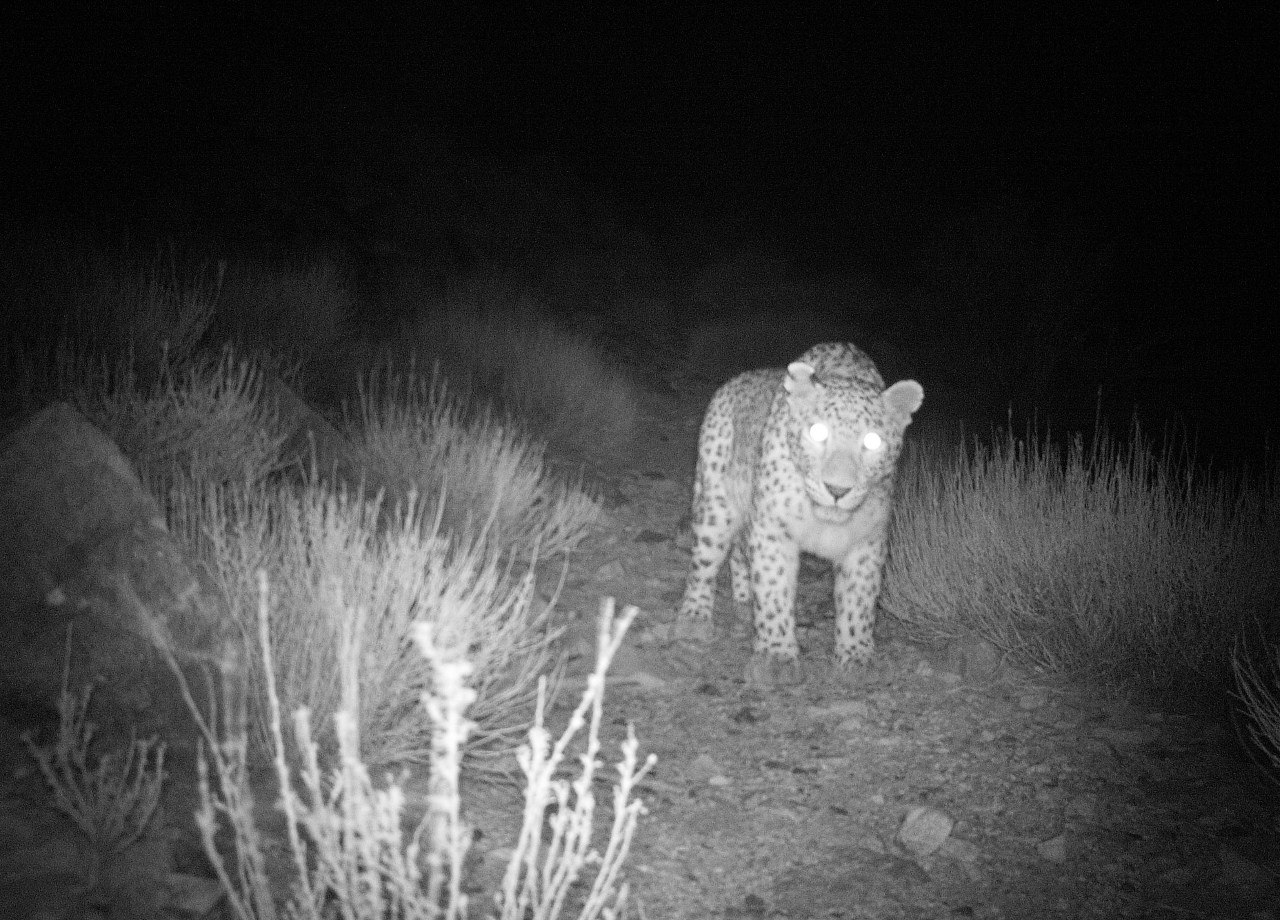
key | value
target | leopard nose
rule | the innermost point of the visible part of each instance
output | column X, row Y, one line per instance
column 836, row 492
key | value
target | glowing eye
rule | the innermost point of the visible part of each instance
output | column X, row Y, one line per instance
column 872, row 441
column 819, row 432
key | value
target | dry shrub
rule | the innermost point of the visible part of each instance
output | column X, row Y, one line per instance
column 1116, row 563
column 1259, row 690
column 112, row 304
column 333, row 552
column 351, row 855
column 207, row 417
column 488, row 475
column 104, row 310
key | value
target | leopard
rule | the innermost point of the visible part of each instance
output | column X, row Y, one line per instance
column 794, row 460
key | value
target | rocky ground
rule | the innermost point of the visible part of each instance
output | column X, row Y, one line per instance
column 944, row 784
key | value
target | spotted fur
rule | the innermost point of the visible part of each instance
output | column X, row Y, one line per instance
column 790, row 461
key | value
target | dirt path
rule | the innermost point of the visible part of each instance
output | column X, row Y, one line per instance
column 1027, row 799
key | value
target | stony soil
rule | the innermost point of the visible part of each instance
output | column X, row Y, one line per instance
column 1027, row 798
column 944, row 783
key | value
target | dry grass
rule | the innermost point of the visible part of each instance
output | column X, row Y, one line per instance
column 111, row 797
column 1116, row 563
column 488, row 475
column 113, row 303
column 112, row 793
column 140, row 320
column 104, row 317
column 208, row 417
column 1259, row 691
column 158, row 308
column 331, row 553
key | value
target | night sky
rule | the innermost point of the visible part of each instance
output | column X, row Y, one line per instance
column 1134, row 158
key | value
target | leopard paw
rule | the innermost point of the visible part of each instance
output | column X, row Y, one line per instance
column 766, row 672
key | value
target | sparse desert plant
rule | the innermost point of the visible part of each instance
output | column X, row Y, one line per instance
column 111, row 797
column 333, row 551
column 105, row 317
column 111, row 792
column 209, row 417
column 488, row 474
column 540, row 874
column 111, row 304
column 350, row 855
column 1116, row 562
column 1259, row 691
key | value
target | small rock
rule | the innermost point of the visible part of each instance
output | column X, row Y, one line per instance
column 1054, row 849
column 871, row 843
column 924, row 829
column 611, row 571
column 1083, row 808
column 1033, row 699
column 705, row 768
column 192, row 895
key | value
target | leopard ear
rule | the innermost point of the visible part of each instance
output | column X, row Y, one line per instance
column 903, row 398
column 799, row 380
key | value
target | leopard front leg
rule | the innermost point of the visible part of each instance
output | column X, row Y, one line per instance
column 775, row 566
column 740, row 570
column 857, row 588
column 714, row 529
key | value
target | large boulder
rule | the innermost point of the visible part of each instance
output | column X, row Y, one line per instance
column 90, row 579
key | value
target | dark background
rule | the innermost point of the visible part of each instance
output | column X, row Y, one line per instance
column 1057, row 203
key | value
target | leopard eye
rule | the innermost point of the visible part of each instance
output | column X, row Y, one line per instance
column 819, row 432
column 872, row 440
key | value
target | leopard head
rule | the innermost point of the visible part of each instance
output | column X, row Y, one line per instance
column 846, row 435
